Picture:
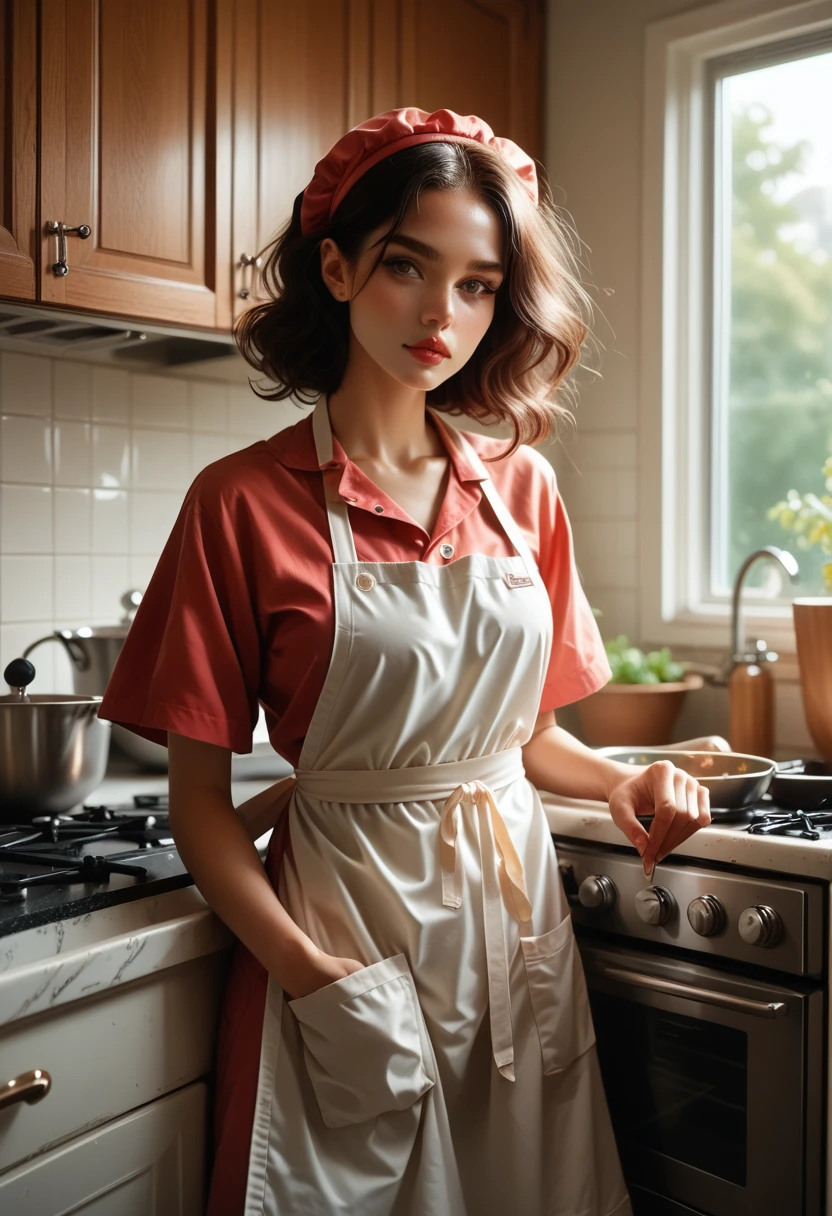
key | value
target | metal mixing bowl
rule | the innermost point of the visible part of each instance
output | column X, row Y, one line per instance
column 733, row 779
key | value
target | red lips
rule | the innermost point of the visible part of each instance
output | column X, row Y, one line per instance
column 435, row 344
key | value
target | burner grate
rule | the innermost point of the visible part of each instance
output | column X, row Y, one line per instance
column 805, row 825
column 58, row 845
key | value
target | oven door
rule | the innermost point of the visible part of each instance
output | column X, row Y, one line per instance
column 713, row 1082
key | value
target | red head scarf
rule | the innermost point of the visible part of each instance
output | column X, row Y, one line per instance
column 369, row 142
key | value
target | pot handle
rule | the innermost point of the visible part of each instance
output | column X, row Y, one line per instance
column 76, row 650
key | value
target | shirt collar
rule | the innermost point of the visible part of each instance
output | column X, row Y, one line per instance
column 295, row 448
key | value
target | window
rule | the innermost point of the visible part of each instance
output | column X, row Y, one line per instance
column 737, row 309
column 771, row 410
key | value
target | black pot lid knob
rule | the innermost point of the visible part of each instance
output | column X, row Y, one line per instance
column 19, row 673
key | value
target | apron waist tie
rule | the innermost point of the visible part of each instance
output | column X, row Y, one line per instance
column 465, row 782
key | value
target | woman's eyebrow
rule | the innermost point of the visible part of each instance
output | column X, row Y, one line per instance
column 433, row 255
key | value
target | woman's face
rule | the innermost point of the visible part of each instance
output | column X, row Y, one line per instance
column 436, row 280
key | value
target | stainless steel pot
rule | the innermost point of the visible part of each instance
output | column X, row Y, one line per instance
column 53, row 749
column 92, row 652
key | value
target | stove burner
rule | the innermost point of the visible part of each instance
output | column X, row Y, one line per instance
column 56, row 844
column 805, row 825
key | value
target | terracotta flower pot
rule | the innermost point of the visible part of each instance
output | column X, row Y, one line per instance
column 813, row 631
column 638, row 715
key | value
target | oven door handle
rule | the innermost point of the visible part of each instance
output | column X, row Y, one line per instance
column 739, row 1004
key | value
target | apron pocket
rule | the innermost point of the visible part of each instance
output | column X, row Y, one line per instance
column 363, row 1043
column 559, row 996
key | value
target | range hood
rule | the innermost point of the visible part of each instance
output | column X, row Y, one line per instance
column 32, row 329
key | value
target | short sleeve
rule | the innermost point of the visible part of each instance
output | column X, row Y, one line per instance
column 578, row 664
column 191, row 660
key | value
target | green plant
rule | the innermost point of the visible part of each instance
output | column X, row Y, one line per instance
column 809, row 518
column 632, row 666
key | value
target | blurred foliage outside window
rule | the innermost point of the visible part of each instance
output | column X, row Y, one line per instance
column 777, row 435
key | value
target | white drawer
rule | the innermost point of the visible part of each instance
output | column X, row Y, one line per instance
column 152, row 1160
column 111, row 1053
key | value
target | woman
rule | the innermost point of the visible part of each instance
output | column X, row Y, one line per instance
column 406, row 1028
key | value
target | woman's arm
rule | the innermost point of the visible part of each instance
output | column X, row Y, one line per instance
column 216, row 846
column 556, row 761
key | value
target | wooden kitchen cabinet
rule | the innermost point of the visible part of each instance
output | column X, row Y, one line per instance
column 179, row 132
column 297, row 91
column 134, row 144
column 18, row 148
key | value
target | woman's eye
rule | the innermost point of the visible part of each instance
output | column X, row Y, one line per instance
column 486, row 290
column 483, row 289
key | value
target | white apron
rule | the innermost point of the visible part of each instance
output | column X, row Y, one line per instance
column 456, row 1073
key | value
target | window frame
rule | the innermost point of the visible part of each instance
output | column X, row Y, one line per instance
column 679, row 262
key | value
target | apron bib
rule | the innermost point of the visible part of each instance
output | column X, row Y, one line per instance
column 455, row 1074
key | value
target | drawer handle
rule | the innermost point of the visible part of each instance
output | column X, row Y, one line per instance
column 28, row 1087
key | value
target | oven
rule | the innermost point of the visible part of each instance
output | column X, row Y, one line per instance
column 711, row 1043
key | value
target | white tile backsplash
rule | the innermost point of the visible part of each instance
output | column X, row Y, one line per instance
column 26, row 519
column 160, row 401
column 110, row 395
column 26, row 385
column 161, row 459
column 73, row 520
column 95, row 461
column 25, row 449
column 73, row 455
column 73, row 390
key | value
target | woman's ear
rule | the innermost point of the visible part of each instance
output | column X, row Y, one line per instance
column 335, row 270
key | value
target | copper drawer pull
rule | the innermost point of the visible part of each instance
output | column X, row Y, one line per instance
column 28, row 1087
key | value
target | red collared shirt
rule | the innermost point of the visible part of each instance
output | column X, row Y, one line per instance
column 239, row 608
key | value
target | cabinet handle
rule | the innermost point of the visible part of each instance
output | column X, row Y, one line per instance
column 28, row 1087
column 61, row 230
column 255, row 264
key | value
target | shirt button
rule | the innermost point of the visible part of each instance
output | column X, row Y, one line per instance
column 378, row 509
column 446, row 550
column 365, row 581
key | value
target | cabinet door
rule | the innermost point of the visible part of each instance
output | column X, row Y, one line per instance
column 301, row 79
column 135, row 145
column 18, row 148
column 152, row 1160
column 478, row 57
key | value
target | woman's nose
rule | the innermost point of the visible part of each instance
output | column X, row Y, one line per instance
column 438, row 307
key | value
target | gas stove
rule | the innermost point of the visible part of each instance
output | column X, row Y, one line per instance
column 59, row 866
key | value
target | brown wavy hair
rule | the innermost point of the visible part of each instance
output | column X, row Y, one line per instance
column 299, row 337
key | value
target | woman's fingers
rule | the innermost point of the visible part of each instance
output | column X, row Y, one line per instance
column 697, row 815
column 663, row 781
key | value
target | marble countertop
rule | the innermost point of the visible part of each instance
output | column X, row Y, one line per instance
column 723, row 842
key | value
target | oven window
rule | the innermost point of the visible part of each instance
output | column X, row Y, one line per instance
column 675, row 1084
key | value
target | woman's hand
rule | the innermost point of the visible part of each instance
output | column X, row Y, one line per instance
column 315, row 969
column 679, row 805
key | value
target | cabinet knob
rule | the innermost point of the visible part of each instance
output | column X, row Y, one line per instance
column 255, row 263
column 655, row 905
column 28, row 1087
column 706, row 916
column 760, row 926
column 597, row 891
column 61, row 230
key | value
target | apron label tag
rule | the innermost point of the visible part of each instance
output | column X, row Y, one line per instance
column 518, row 580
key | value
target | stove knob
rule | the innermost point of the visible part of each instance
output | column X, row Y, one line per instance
column 597, row 891
column 760, row 926
column 655, row 905
column 706, row 916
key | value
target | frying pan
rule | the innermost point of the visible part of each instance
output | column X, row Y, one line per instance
column 804, row 785
column 733, row 779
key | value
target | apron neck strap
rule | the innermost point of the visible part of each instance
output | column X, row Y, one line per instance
column 499, row 508
column 343, row 544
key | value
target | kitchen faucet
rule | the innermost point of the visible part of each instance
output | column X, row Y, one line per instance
column 738, row 653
